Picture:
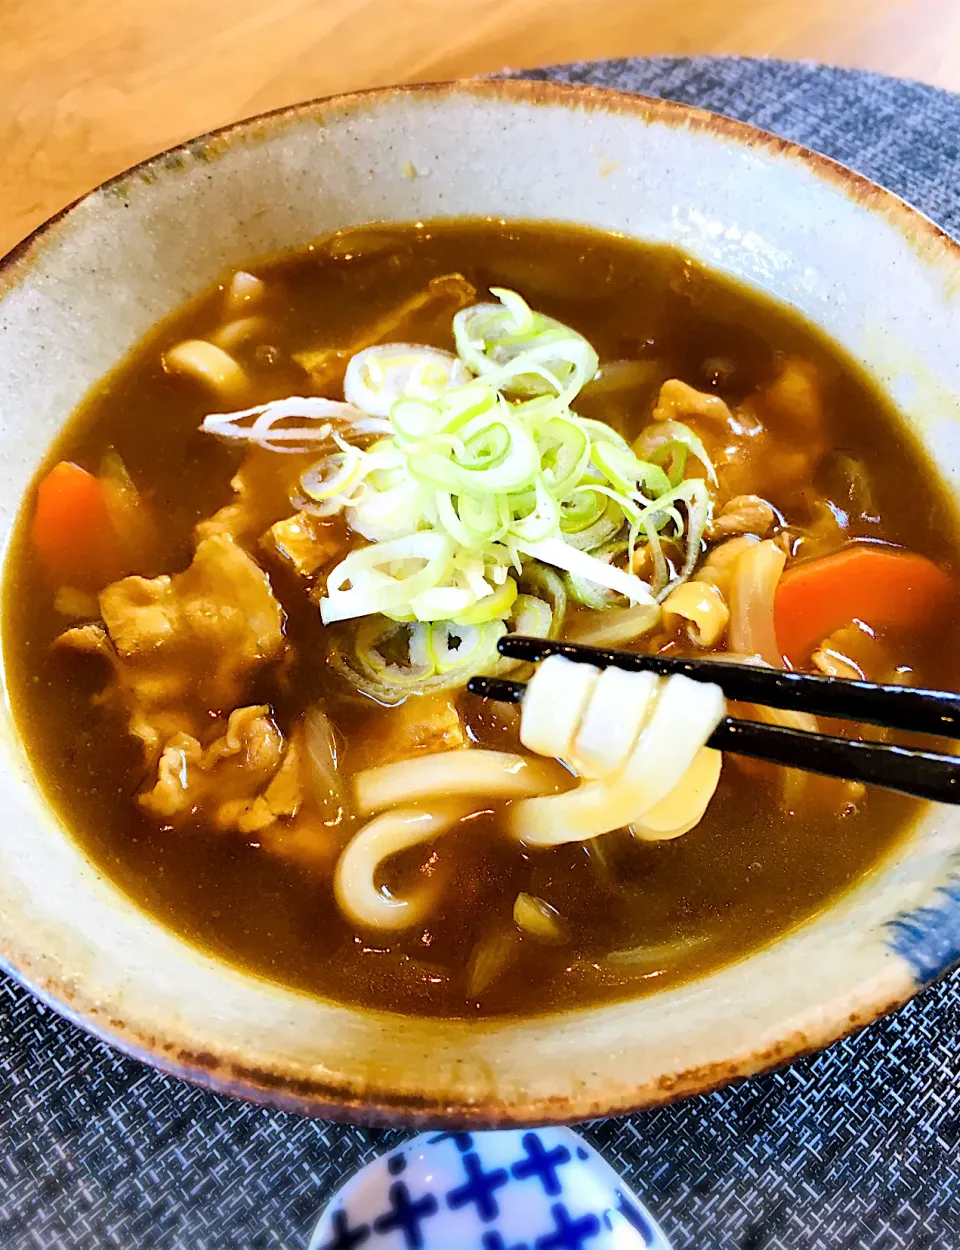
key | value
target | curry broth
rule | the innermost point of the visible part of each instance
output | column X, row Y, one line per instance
column 749, row 871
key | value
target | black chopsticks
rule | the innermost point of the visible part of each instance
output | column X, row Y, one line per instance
column 922, row 774
column 895, row 707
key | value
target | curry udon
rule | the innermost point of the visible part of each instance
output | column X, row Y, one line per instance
column 263, row 559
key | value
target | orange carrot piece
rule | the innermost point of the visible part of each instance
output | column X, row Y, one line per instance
column 72, row 531
column 881, row 586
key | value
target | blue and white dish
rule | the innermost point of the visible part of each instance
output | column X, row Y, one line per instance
column 521, row 1189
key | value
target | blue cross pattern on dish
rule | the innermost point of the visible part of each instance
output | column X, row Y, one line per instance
column 523, row 1189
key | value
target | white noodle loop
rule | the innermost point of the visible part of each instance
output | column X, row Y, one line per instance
column 639, row 743
column 355, row 880
column 208, row 364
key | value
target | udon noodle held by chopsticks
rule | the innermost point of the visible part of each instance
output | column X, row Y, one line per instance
column 666, row 763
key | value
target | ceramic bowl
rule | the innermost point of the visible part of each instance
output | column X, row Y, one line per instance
column 879, row 278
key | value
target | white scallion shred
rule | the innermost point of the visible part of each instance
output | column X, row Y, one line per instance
column 297, row 424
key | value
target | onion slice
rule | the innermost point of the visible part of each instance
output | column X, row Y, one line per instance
column 753, row 585
column 614, row 626
column 323, row 770
column 529, row 353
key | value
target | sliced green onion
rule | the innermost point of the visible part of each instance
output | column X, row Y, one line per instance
column 622, row 468
column 494, row 606
column 560, row 364
column 500, row 456
column 415, row 418
column 542, row 520
column 526, row 352
column 449, row 518
column 540, row 582
column 477, row 477
column 465, row 402
column 386, row 575
column 661, row 574
column 663, row 432
column 583, row 509
column 694, row 494
column 483, row 516
column 565, row 453
column 524, row 318
column 441, row 603
column 588, row 593
column 450, row 644
column 600, row 432
column 672, row 456
column 609, row 523
column 391, row 661
column 333, row 476
column 458, row 646
column 532, row 617
column 380, row 515
column 293, row 425
column 698, row 518
column 378, row 377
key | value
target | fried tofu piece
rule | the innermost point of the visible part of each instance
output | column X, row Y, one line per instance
column 422, row 724
column 305, row 543
column 413, row 321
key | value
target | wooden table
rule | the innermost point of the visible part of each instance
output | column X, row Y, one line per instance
column 88, row 87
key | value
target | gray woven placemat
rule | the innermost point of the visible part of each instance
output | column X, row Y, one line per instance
column 851, row 1150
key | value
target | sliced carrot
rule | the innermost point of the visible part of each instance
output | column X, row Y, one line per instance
column 882, row 586
column 72, row 531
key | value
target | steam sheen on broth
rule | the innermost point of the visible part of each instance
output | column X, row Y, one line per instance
column 323, row 803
